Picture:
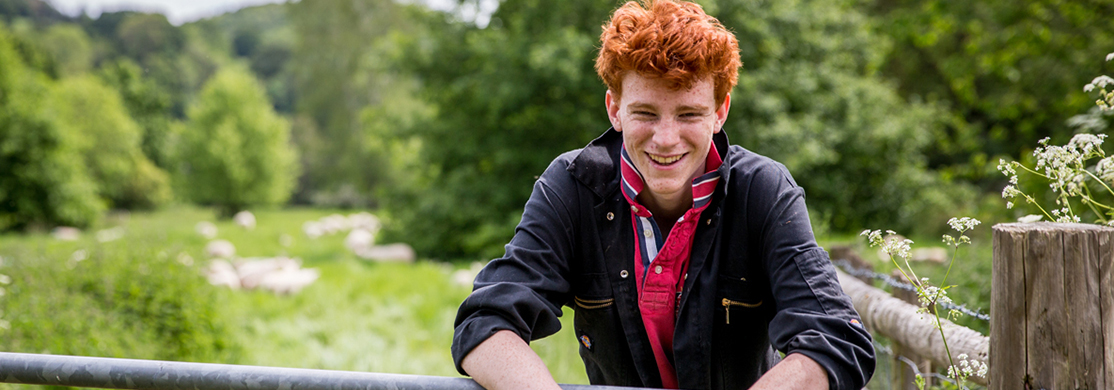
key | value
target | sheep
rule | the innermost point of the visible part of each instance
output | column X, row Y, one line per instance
column 359, row 240
column 245, row 219
column 222, row 273
column 288, row 280
column 206, row 229
column 391, row 252
column 112, row 234
column 220, row 249
column 66, row 233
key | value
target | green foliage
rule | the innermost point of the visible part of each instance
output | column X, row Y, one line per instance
column 147, row 103
column 519, row 92
column 340, row 66
column 43, row 181
column 235, row 151
column 108, row 142
column 69, row 47
column 127, row 299
column 509, row 99
column 809, row 96
column 1006, row 74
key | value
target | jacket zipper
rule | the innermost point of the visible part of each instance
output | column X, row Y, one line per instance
column 593, row 303
column 727, row 303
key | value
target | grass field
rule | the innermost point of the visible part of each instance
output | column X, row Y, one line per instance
column 360, row 316
column 142, row 297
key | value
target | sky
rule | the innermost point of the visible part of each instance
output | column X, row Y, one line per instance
column 185, row 11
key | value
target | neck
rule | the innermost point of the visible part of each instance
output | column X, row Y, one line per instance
column 666, row 208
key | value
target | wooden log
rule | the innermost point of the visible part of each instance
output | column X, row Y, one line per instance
column 900, row 321
column 1007, row 309
column 1059, row 336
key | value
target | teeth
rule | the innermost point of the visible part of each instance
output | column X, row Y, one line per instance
column 665, row 160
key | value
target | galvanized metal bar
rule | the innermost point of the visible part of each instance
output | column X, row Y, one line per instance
column 110, row 373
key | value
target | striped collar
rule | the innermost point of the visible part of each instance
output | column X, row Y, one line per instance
column 702, row 187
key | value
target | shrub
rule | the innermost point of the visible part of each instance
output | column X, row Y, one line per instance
column 41, row 180
column 108, row 141
column 117, row 299
column 235, row 151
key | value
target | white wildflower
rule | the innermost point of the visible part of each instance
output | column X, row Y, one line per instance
column 1110, row 56
column 1010, row 192
column 963, row 224
column 1105, row 169
column 1087, row 143
column 1009, row 205
column 1098, row 82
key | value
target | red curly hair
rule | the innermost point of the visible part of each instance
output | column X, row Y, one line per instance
column 669, row 40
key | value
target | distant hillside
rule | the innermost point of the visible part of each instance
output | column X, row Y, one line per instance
column 39, row 11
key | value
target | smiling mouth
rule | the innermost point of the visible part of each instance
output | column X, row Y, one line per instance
column 661, row 160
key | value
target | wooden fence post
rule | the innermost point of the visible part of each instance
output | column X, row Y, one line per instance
column 1052, row 307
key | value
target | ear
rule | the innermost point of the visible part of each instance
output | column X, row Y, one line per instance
column 721, row 113
column 612, row 103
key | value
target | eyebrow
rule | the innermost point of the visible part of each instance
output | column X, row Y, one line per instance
column 648, row 106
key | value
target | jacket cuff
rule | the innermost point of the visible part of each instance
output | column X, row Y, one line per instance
column 839, row 375
column 473, row 332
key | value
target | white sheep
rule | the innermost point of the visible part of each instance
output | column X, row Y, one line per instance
column 392, row 252
column 206, row 229
column 334, row 223
column 313, row 229
column 364, row 220
column 288, row 280
column 66, row 233
column 220, row 249
column 221, row 273
column 245, row 219
column 359, row 240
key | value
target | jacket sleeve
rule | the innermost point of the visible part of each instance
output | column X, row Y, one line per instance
column 523, row 291
column 814, row 316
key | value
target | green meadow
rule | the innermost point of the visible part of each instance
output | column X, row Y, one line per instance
column 143, row 296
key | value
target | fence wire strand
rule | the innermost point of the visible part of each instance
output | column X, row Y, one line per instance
column 850, row 269
column 886, row 350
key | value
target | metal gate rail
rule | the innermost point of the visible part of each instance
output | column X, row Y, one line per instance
column 113, row 373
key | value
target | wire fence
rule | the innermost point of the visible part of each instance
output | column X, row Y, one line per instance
column 885, row 370
column 888, row 280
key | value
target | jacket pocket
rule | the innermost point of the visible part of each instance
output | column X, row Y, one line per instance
column 591, row 304
column 740, row 332
column 737, row 295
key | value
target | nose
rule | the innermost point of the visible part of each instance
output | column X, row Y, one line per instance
column 667, row 134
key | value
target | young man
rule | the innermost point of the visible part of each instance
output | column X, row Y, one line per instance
column 685, row 258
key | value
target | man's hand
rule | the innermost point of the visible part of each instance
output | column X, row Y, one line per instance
column 504, row 361
column 797, row 372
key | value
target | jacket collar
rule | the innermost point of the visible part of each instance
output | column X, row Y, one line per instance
column 597, row 165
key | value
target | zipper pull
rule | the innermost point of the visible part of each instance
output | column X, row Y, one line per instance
column 727, row 307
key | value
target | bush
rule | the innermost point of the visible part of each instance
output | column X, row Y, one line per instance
column 108, row 141
column 42, row 182
column 235, row 151
column 117, row 299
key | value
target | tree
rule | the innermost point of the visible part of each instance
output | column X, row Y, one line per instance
column 1006, row 74
column 108, row 142
column 235, row 151
column 513, row 95
column 41, row 181
column 343, row 63
column 810, row 96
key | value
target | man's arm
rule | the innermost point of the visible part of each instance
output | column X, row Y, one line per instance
column 797, row 372
column 504, row 361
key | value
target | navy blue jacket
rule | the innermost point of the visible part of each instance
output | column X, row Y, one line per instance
column 756, row 279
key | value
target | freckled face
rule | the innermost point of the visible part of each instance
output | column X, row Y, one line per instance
column 667, row 132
